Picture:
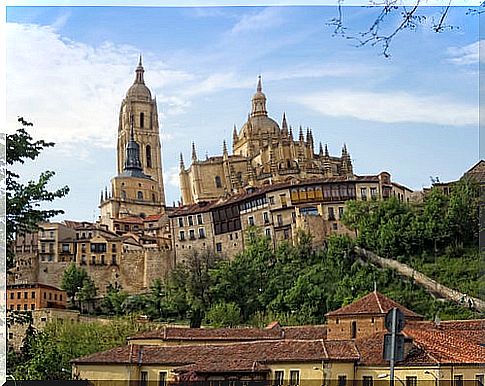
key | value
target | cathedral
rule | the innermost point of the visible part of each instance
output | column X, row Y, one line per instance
column 263, row 152
column 138, row 189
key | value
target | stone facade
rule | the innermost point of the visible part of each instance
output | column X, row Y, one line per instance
column 278, row 210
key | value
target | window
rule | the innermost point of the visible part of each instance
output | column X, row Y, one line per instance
column 60, row 297
column 331, row 214
column 32, row 307
column 143, row 378
column 139, row 195
column 268, row 233
column 162, row 378
column 102, row 260
column 286, row 234
column 251, row 220
column 373, row 193
column 199, row 219
column 479, row 380
column 458, row 380
column 191, row 221
column 266, row 217
column 18, row 307
column 65, row 247
column 271, row 200
column 142, row 120
column 278, row 377
column 181, row 221
column 219, row 247
column 283, row 200
column 148, row 151
column 191, row 234
column 182, row 236
column 294, row 377
column 26, row 295
column 218, row 182
column 123, row 195
column 93, row 260
column 55, row 296
column 353, row 330
column 411, row 381
column 279, row 220
column 334, row 226
column 201, row 233
column 367, row 381
column 340, row 212
column 12, row 295
column 113, row 248
column 113, row 259
column 363, row 193
column 342, row 380
column 25, row 307
column 19, row 295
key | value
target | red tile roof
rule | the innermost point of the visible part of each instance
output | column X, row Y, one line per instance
column 240, row 356
column 374, row 303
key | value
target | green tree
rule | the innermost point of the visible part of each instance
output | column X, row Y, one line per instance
column 73, row 280
column 224, row 315
column 24, row 201
column 112, row 303
column 87, row 293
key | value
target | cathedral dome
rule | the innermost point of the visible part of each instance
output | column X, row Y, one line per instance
column 260, row 124
column 139, row 91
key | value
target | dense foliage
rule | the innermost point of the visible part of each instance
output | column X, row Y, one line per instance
column 24, row 200
column 46, row 355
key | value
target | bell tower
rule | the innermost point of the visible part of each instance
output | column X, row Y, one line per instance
column 139, row 113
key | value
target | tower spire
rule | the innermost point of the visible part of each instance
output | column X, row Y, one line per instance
column 284, row 125
column 320, row 152
column 259, row 101
column 194, row 153
column 139, row 73
column 326, row 151
column 234, row 135
column 182, row 165
column 224, row 149
column 259, row 88
column 301, row 138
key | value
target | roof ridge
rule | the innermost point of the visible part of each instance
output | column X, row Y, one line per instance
column 378, row 301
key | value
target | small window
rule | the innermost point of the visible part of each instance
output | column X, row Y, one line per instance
column 181, row 221
column 182, row 236
column 32, row 307
column 218, row 182
column 191, row 221
column 139, row 195
column 279, row 376
column 142, row 120
column 367, row 381
column 294, row 377
column 191, row 234
column 342, row 380
column 144, row 378
column 340, row 212
column 219, row 247
column 251, row 220
column 353, row 330
column 12, row 295
column 162, row 378
column 26, row 295
column 363, row 193
column 411, row 381
column 25, row 307
column 123, row 195
column 266, row 217
column 201, row 233
column 199, row 219
column 458, row 380
column 268, row 233
column 148, row 151
column 331, row 214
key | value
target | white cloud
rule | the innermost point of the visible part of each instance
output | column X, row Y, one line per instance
column 391, row 107
column 269, row 17
column 72, row 91
column 468, row 54
column 171, row 176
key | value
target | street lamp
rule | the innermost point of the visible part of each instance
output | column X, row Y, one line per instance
column 382, row 376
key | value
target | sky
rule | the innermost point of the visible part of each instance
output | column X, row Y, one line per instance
column 414, row 114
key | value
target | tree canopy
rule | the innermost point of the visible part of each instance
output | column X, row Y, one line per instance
column 24, row 201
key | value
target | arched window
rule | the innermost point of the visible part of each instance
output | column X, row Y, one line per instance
column 123, row 195
column 142, row 120
column 140, row 195
column 149, row 156
column 218, row 182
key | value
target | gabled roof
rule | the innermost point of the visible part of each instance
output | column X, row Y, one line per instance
column 374, row 303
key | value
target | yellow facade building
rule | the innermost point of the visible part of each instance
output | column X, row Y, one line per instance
column 347, row 351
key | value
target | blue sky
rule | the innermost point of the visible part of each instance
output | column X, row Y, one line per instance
column 68, row 68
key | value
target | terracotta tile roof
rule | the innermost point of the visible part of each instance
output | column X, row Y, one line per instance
column 305, row 332
column 212, row 334
column 451, row 342
column 153, row 217
column 374, row 303
column 201, row 207
column 238, row 355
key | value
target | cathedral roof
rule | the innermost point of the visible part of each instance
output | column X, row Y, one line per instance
column 139, row 91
